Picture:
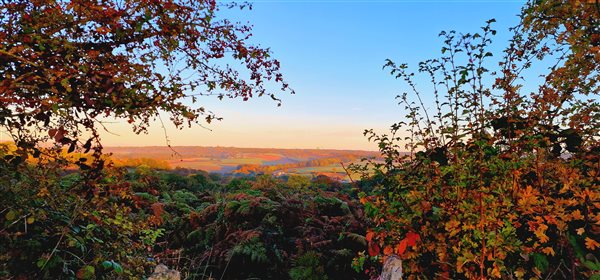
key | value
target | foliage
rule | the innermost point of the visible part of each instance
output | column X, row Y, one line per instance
column 262, row 228
column 57, row 224
column 308, row 267
column 66, row 65
column 501, row 180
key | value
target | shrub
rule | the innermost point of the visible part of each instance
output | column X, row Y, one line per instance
column 497, row 182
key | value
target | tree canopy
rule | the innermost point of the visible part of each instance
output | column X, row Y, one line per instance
column 67, row 64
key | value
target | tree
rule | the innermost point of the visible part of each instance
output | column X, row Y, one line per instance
column 500, row 182
column 67, row 64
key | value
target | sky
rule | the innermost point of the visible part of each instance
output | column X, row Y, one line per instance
column 332, row 53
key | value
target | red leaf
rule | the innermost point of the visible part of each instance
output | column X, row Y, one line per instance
column 412, row 238
column 401, row 248
column 369, row 236
column 373, row 249
column 157, row 210
column 387, row 250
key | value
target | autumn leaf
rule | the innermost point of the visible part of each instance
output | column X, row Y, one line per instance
column 86, row 272
column 373, row 249
column 369, row 236
column 412, row 238
column 591, row 244
column 103, row 30
column 549, row 251
column 388, row 250
column 401, row 247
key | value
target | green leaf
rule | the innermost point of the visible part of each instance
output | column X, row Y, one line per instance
column 576, row 247
column 86, row 272
column 592, row 265
column 107, row 264
column 541, row 262
column 11, row 215
column 117, row 267
column 65, row 83
column 112, row 265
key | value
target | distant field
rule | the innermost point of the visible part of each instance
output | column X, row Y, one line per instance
column 229, row 159
column 335, row 170
column 329, row 168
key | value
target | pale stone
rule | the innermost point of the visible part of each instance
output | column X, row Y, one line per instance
column 392, row 269
column 162, row 272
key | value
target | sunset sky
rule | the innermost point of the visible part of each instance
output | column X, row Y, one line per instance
column 332, row 53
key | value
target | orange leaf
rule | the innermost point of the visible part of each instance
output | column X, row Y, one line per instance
column 388, row 250
column 157, row 210
column 549, row 251
column 591, row 244
column 369, row 236
column 412, row 238
column 400, row 248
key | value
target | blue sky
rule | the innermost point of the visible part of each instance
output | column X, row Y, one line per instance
column 332, row 53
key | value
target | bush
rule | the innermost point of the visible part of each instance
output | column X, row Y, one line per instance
column 496, row 183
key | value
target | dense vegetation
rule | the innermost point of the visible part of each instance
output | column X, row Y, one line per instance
column 502, row 179
column 58, row 224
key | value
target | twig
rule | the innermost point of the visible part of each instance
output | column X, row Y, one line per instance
column 347, row 172
column 53, row 250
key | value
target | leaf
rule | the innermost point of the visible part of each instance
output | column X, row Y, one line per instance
column 591, row 244
column 540, row 261
column 112, row 265
column 592, row 265
column 107, row 264
column 117, row 267
column 86, row 272
column 387, row 250
column 373, row 249
column 87, row 146
column 11, row 215
column 65, row 83
column 72, row 147
column 52, row 132
column 549, row 251
column 369, row 236
column 401, row 247
column 412, row 238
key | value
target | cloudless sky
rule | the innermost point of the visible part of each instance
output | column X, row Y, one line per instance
column 332, row 53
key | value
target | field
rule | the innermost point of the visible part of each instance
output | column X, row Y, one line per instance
column 307, row 162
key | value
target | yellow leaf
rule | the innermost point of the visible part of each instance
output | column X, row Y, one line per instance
column 519, row 273
column 591, row 244
column 577, row 215
column 496, row 271
column 44, row 192
column 549, row 251
column 11, row 215
column 580, row 231
column 540, row 233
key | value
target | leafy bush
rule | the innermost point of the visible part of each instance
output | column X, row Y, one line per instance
column 497, row 182
column 261, row 228
column 59, row 224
